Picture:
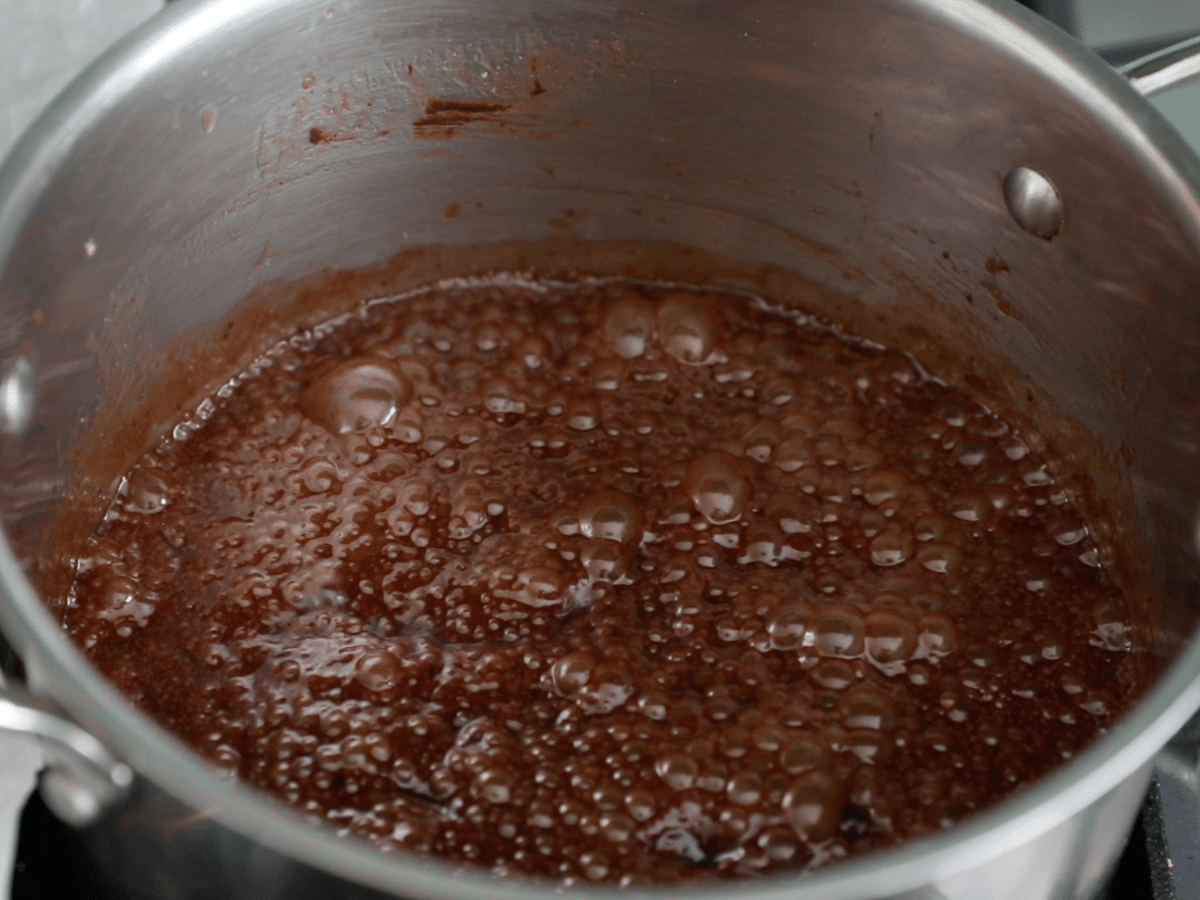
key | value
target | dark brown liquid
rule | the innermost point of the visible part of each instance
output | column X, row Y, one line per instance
column 598, row 580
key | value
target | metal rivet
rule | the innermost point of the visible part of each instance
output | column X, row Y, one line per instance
column 17, row 390
column 1033, row 202
column 69, row 798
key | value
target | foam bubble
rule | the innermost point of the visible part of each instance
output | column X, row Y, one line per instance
column 678, row 770
column 149, row 490
column 688, row 329
column 356, row 394
column 813, row 805
column 837, row 632
column 611, row 516
column 629, row 325
column 718, row 487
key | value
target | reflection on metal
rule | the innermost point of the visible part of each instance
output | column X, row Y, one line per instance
column 17, row 394
column 82, row 778
column 1033, row 202
column 1171, row 67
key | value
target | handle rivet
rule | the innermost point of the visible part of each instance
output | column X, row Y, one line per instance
column 1034, row 202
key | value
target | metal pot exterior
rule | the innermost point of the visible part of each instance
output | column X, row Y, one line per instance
column 848, row 157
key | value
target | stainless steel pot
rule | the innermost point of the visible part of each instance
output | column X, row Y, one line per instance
column 953, row 177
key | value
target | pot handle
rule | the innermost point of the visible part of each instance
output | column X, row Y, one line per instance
column 81, row 779
column 1163, row 69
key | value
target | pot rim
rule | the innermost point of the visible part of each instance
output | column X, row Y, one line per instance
column 54, row 662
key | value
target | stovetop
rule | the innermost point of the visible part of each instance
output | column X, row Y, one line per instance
column 43, row 42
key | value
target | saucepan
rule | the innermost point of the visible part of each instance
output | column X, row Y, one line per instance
column 955, row 178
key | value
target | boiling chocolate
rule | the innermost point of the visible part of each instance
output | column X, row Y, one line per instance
column 603, row 580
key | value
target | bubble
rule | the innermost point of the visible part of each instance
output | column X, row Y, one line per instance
column 744, row 788
column 583, row 414
column 486, row 336
column 891, row 637
column 786, row 625
column 611, row 516
column 1014, row 448
column 121, row 599
column 829, row 453
column 890, row 549
column 378, row 671
column 929, row 528
column 862, row 457
column 761, row 439
column 847, row 430
column 653, row 704
column 768, row 737
column 803, row 753
column 882, row 486
column 778, row 842
column 813, row 805
column 970, row 507
column 939, row 557
column 868, row 708
column 1072, row 684
column 498, row 397
column 571, row 672
column 641, row 804
column 1067, row 530
column 688, row 329
column 678, row 770
column 628, row 326
column 938, row 636
column 149, row 490
column 1049, row 646
column 868, row 745
column 355, row 394
column 793, row 453
column 1111, row 630
column 834, row 674
column 837, row 632
column 607, row 688
column 538, row 586
column 718, row 487
column 617, row 827
column 973, row 453
column 533, row 350
column 494, row 785
column 608, row 374
column 603, row 561
column 764, row 545
column 981, row 655
column 1035, row 474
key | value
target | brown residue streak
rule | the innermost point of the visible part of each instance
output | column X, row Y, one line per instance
column 1008, row 309
column 995, row 266
column 208, row 119
column 994, row 289
column 442, row 113
column 566, row 221
column 453, row 211
column 536, row 89
column 319, row 135
column 308, row 81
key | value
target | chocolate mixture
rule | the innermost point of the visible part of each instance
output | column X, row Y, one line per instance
column 604, row 580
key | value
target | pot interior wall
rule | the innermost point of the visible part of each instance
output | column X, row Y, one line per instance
column 850, row 164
